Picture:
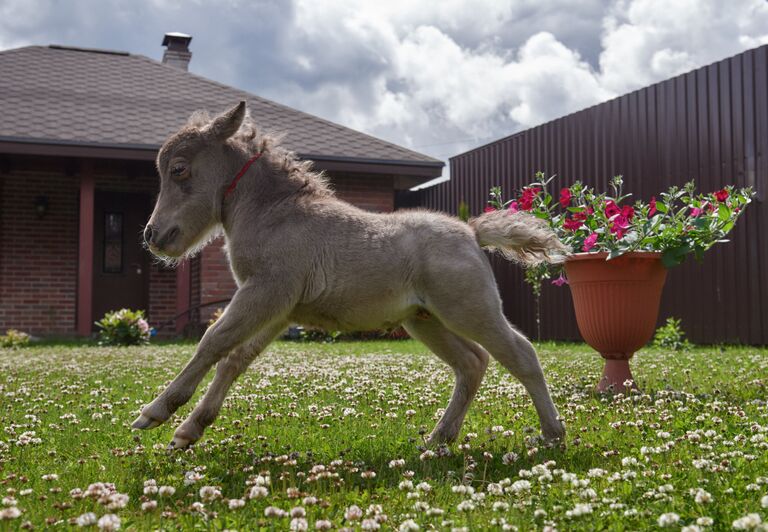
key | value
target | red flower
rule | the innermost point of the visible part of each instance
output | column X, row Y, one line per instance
column 620, row 226
column 572, row 224
column 565, row 198
column 513, row 208
column 590, row 242
column 489, row 209
column 721, row 195
column 652, row 205
column 560, row 281
column 628, row 212
column 526, row 200
column 611, row 209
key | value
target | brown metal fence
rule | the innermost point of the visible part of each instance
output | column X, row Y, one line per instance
column 710, row 125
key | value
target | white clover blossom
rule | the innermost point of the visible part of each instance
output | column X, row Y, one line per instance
column 668, row 519
column 108, row 522
column 465, row 506
column 370, row 524
column 509, row 458
column 86, row 519
column 353, row 513
column 748, row 522
column 9, row 513
column 258, row 492
column 235, row 504
column 166, row 491
column 209, row 493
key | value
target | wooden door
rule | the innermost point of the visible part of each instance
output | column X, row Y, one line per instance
column 120, row 262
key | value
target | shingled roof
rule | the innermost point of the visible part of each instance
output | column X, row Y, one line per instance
column 75, row 97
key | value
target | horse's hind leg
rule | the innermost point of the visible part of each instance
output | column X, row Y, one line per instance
column 474, row 311
column 468, row 361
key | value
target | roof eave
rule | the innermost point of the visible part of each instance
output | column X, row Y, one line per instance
column 419, row 170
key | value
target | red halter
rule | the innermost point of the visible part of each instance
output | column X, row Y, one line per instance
column 243, row 170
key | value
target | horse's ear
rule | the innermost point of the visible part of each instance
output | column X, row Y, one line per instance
column 226, row 124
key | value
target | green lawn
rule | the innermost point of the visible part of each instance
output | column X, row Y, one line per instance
column 325, row 427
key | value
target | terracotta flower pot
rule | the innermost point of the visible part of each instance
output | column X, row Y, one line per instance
column 616, row 304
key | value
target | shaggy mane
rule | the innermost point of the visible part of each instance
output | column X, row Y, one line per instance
column 249, row 139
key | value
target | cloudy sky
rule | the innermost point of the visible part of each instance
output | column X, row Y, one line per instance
column 437, row 76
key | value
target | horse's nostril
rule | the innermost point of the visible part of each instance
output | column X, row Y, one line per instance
column 148, row 232
column 172, row 234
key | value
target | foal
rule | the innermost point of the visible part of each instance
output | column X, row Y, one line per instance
column 301, row 255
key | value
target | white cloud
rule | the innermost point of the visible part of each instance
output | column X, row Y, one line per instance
column 645, row 41
column 444, row 72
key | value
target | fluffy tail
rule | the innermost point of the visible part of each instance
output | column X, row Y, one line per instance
column 519, row 237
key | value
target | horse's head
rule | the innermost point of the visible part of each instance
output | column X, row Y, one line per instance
column 195, row 165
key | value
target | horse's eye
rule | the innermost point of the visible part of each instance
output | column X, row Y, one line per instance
column 178, row 170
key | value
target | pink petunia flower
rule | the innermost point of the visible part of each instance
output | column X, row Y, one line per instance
column 560, row 281
column 590, row 242
column 565, row 197
column 513, row 207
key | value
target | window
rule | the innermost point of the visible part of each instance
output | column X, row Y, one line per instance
column 113, row 242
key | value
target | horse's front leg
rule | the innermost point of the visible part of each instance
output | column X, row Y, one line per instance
column 227, row 371
column 253, row 308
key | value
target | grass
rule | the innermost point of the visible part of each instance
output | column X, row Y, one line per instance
column 318, row 419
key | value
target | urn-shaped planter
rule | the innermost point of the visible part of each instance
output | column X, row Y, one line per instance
column 617, row 305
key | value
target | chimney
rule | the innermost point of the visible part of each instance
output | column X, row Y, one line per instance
column 177, row 52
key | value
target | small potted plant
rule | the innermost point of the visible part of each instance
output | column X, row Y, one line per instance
column 621, row 252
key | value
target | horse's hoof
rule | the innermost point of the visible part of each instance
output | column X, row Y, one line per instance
column 179, row 443
column 145, row 423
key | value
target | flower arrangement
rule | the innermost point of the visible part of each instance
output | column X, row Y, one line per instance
column 124, row 327
column 676, row 223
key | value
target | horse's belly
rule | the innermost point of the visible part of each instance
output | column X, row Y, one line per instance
column 362, row 315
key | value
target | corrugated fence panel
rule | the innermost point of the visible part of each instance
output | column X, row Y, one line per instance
column 710, row 125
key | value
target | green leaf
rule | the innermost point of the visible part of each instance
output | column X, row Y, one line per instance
column 723, row 212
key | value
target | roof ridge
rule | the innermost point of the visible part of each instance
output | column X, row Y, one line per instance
column 267, row 101
column 87, row 50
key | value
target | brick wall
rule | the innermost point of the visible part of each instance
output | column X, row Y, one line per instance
column 38, row 256
column 371, row 192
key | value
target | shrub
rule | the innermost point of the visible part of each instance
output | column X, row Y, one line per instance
column 671, row 336
column 14, row 339
column 215, row 316
column 124, row 327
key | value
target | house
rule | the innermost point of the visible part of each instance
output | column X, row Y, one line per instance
column 79, row 133
column 709, row 125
